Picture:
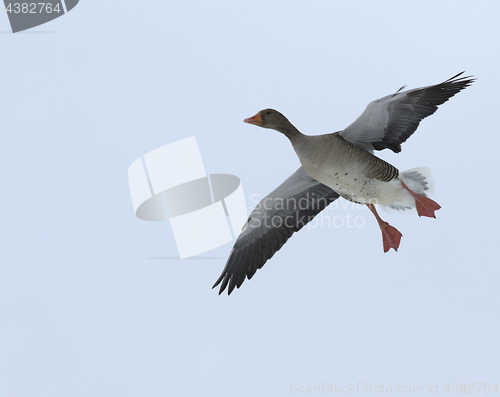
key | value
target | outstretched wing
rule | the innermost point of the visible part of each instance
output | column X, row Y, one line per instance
column 388, row 122
column 284, row 211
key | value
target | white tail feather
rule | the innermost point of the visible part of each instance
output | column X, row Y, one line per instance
column 420, row 181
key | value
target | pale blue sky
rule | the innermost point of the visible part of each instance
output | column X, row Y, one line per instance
column 84, row 310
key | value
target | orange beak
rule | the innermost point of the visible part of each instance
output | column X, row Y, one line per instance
column 256, row 120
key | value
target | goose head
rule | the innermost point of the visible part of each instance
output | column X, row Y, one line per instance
column 269, row 118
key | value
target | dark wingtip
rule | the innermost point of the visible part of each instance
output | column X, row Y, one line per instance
column 464, row 79
column 223, row 286
column 454, row 77
column 218, row 281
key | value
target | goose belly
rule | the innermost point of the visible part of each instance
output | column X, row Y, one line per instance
column 355, row 186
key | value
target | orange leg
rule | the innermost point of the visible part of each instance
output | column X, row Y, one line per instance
column 425, row 206
column 390, row 235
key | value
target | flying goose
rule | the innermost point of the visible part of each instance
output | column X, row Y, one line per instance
column 340, row 164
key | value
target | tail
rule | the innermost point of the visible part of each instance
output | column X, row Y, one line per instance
column 418, row 180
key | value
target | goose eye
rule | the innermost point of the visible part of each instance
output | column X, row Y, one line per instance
column 268, row 112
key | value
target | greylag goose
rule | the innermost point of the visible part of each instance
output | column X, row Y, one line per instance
column 340, row 164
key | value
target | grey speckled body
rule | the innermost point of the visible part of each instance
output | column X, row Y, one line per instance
column 352, row 172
